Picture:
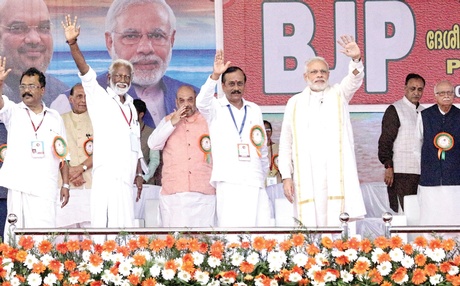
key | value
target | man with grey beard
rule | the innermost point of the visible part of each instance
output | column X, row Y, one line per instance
column 143, row 33
column 316, row 152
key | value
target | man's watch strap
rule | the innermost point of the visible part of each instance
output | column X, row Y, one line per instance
column 84, row 167
column 388, row 166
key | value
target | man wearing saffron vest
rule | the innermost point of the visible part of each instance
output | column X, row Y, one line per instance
column 316, row 153
column 187, row 199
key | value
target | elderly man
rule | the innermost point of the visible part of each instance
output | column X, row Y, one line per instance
column 143, row 33
column 79, row 132
column 117, row 151
column 36, row 137
column 186, row 198
column 240, row 155
column 397, row 148
column 316, row 152
column 439, row 134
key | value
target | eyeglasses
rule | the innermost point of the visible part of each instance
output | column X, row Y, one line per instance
column 157, row 37
column 23, row 29
column 121, row 76
column 268, row 130
column 234, row 83
column 323, row 72
column 29, row 86
column 444, row 93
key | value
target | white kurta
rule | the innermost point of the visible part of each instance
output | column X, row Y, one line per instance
column 317, row 151
column 116, row 151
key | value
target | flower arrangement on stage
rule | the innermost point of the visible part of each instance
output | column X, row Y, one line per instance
column 178, row 259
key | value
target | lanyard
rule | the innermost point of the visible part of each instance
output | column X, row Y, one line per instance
column 124, row 115
column 234, row 121
column 33, row 124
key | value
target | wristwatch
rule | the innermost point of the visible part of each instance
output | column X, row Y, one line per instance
column 84, row 167
column 67, row 186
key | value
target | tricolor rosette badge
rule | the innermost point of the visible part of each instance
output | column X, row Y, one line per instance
column 60, row 147
column 88, row 146
column 205, row 145
column 2, row 152
column 257, row 138
column 444, row 142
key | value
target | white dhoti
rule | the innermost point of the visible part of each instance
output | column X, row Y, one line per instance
column 241, row 205
column 77, row 211
column 31, row 211
column 189, row 209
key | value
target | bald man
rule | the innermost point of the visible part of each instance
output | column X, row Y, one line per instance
column 187, row 199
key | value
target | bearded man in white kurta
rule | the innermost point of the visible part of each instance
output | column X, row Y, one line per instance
column 316, row 153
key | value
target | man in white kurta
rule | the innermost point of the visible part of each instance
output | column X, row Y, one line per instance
column 116, row 149
column 240, row 155
column 316, row 153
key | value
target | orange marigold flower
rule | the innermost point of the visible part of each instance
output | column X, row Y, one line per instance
column 448, row 244
column 353, row 243
column 54, row 265
column 298, row 239
column 297, row 269
column 171, row 264
column 38, row 267
column 312, row 249
column 396, row 242
column 143, row 241
column 381, row 242
column 418, row 276
column 420, row 241
column 375, row 276
column 310, row 262
column 182, row 243
column 217, row 249
column 95, row 259
column 132, row 244
column 96, row 283
column 45, row 246
column 334, row 272
column 21, row 255
column 245, row 244
column 157, row 245
column 270, row 244
column 339, row 244
column 285, row 245
column 109, row 245
column 435, row 243
column 360, row 267
column 386, row 283
column 193, row 245
column 326, row 241
column 246, row 267
column 258, row 243
column 62, row 248
column 83, row 277
column 133, row 279
column 69, row 265
column 188, row 266
column 149, row 282
column 366, row 245
column 399, row 274
column 26, row 242
column 382, row 257
column 203, row 247
column 169, row 241
column 456, row 260
column 123, row 250
column 73, row 245
column 445, row 267
column 6, row 283
column 431, row 269
column 318, row 276
column 420, row 259
column 342, row 260
column 139, row 259
column 408, row 249
column 304, row 282
column 86, row 244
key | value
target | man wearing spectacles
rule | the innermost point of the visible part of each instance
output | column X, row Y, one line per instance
column 316, row 153
column 439, row 137
column 36, row 148
column 143, row 33
column 397, row 151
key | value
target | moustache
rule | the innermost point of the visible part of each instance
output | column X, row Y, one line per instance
column 31, row 48
column 149, row 59
column 236, row 92
column 27, row 94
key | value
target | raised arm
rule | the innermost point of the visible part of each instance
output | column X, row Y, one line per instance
column 71, row 32
column 3, row 74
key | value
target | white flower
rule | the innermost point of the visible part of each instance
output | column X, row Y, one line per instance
column 329, row 277
column 50, row 279
column 320, row 259
column 346, row 276
column 453, row 270
column 300, row 259
column 352, row 254
column 407, row 262
column 273, row 282
column 312, row 270
column 34, row 279
column 201, row 277
column 138, row 271
column 168, row 274
column 73, row 280
column 117, row 279
column 253, row 258
column 237, row 259
column 15, row 281
column 106, row 256
column 240, row 284
column 213, row 283
column 125, row 267
column 46, row 259
column 375, row 254
column 437, row 254
column 95, row 269
column 276, row 259
column 295, row 277
column 117, row 257
column 107, row 276
column 86, row 255
column 314, row 283
column 198, row 258
column 160, row 260
column 436, row 279
column 7, row 264
column 213, row 261
column 384, row 268
column 179, row 262
column 405, row 279
column 30, row 261
column 227, row 280
column 155, row 270
column 184, row 276
column 146, row 254
column 337, row 253
column 396, row 254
